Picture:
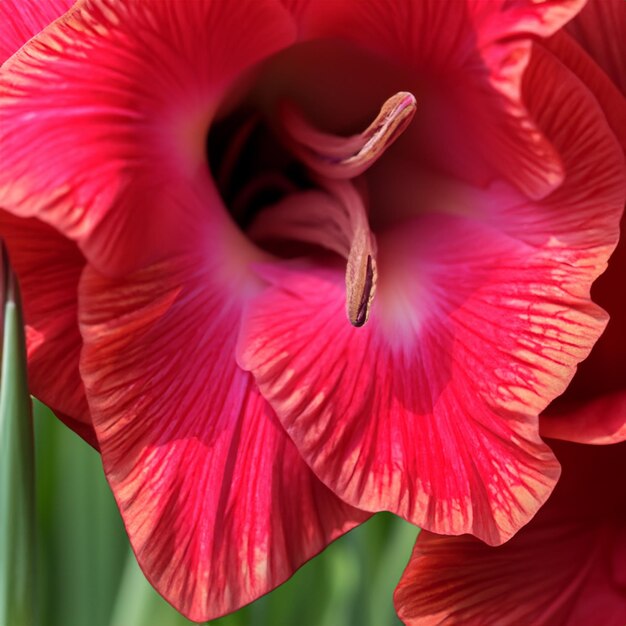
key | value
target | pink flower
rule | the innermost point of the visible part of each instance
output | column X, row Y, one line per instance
column 178, row 195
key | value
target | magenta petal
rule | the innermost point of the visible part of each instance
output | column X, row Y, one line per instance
column 217, row 502
column 118, row 97
column 22, row 19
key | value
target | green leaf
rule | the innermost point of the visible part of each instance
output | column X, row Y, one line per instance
column 17, row 509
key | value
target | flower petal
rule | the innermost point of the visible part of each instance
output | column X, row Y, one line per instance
column 563, row 568
column 218, row 505
column 386, row 415
column 593, row 407
column 104, row 118
column 48, row 267
column 570, row 53
column 22, row 19
column 600, row 28
column 601, row 420
column 479, row 321
column 533, row 579
column 467, row 59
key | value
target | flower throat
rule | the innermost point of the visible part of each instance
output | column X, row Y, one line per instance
column 291, row 187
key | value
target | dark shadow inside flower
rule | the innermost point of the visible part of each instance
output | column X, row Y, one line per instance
column 291, row 186
column 251, row 168
column 339, row 89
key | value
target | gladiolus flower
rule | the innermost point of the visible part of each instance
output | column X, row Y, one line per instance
column 237, row 283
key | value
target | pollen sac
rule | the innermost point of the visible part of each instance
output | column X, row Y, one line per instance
column 367, row 289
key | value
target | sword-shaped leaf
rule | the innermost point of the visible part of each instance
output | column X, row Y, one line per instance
column 17, row 510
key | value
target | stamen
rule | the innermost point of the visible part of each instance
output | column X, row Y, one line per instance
column 359, row 317
column 334, row 217
column 346, row 157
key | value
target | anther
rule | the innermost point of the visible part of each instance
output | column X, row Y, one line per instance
column 346, row 157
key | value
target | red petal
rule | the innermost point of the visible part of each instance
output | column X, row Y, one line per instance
column 466, row 61
column 218, row 505
column 565, row 567
column 598, row 421
column 600, row 28
column 48, row 268
column 430, row 410
column 117, row 97
column 595, row 80
column 593, row 408
column 387, row 415
column 22, row 19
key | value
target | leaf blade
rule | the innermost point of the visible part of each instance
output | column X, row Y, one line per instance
column 17, row 498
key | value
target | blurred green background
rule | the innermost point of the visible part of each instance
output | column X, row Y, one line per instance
column 87, row 575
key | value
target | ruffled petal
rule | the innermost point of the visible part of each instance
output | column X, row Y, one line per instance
column 600, row 28
column 48, row 267
column 467, row 60
column 388, row 415
column 479, row 321
column 104, row 118
column 217, row 502
column 534, row 579
column 593, row 407
column 565, row 567
column 583, row 215
column 22, row 19
column 610, row 99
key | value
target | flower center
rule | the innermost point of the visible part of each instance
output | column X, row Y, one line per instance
column 294, row 186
